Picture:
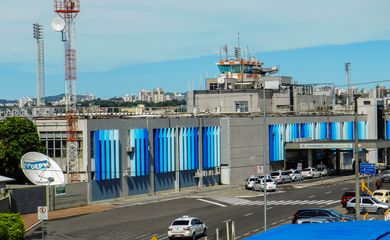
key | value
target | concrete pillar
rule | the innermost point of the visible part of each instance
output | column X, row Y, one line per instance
column 151, row 189
column 310, row 158
column 337, row 161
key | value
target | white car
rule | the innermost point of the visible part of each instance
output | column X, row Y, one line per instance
column 250, row 181
column 281, row 177
column 187, row 227
column 310, row 173
column 270, row 185
column 295, row 175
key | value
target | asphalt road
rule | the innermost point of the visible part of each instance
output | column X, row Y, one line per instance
column 243, row 206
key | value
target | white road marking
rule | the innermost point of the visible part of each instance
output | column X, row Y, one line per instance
column 281, row 220
column 322, row 206
column 228, row 220
column 248, row 214
column 215, row 203
column 344, row 189
column 274, row 223
column 312, row 196
column 255, row 230
column 328, row 192
column 268, row 208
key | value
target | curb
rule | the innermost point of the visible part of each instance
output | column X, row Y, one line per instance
column 322, row 182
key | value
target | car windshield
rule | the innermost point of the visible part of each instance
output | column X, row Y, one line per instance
column 274, row 174
column 289, row 172
column 376, row 200
column 378, row 194
column 252, row 179
column 335, row 213
column 269, row 180
column 180, row 223
column 386, row 172
column 306, row 169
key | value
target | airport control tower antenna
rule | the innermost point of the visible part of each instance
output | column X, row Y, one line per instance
column 68, row 10
column 38, row 35
column 348, row 80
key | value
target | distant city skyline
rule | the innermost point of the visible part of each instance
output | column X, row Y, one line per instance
column 133, row 34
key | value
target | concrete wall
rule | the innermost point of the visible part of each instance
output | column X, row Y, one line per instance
column 75, row 195
column 27, row 199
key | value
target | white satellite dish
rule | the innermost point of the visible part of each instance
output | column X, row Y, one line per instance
column 41, row 170
column 58, row 24
column 221, row 80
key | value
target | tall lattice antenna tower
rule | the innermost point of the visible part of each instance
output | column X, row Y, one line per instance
column 68, row 10
column 38, row 35
column 348, row 81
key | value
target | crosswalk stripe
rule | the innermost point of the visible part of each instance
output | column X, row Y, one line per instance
column 244, row 202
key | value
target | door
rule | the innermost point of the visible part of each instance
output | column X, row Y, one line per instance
column 367, row 205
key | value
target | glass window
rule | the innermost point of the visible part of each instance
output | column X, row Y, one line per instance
column 180, row 223
column 213, row 86
column 367, row 201
column 241, row 106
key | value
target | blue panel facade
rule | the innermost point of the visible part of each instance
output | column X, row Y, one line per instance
column 387, row 136
column 108, row 189
column 137, row 185
column 211, row 147
column 278, row 134
column 138, row 158
column 106, row 154
column 164, row 181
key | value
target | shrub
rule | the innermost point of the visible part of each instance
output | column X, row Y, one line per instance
column 13, row 224
column 3, row 232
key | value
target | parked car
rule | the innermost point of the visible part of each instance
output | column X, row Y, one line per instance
column 295, row 175
column 187, row 227
column 382, row 195
column 348, row 195
column 281, row 177
column 250, row 181
column 259, row 185
column 385, row 176
column 320, row 212
column 321, row 219
column 367, row 204
column 310, row 173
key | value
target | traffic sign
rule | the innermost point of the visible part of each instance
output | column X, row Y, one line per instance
column 367, row 168
column 42, row 213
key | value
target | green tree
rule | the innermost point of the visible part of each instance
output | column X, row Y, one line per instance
column 17, row 137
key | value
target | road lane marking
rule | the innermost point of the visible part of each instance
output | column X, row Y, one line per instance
column 274, row 223
column 328, row 192
column 344, row 189
column 215, row 203
column 312, row 196
column 268, row 208
column 248, row 214
column 281, row 220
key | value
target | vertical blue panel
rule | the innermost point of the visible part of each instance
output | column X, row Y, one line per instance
column 108, row 154
column 142, row 151
column 103, row 154
column 196, row 148
column 173, row 147
column 98, row 168
column 204, row 149
column 112, row 157
column 169, row 154
column 161, row 151
column 117, row 155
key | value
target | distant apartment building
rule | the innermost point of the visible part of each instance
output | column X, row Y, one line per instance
column 158, row 95
column 25, row 101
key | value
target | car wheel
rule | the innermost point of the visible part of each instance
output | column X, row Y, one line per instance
column 351, row 210
column 204, row 232
column 380, row 211
column 283, row 180
column 193, row 236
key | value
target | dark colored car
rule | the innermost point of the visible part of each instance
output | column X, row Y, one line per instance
column 320, row 212
column 385, row 176
column 348, row 195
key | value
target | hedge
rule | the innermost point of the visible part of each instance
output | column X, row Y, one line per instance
column 13, row 226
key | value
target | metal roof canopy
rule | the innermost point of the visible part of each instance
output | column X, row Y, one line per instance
column 362, row 230
column 337, row 144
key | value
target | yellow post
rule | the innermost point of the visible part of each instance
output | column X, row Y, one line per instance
column 154, row 238
column 365, row 216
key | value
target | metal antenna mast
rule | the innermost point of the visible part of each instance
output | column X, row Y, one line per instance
column 68, row 10
column 348, row 80
column 38, row 35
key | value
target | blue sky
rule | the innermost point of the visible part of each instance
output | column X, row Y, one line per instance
column 123, row 33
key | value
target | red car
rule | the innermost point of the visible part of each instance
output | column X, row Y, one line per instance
column 348, row 195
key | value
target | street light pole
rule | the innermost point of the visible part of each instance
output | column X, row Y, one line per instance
column 264, row 160
column 356, row 158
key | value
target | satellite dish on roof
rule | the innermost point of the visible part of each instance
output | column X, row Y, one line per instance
column 58, row 24
column 41, row 170
column 221, row 80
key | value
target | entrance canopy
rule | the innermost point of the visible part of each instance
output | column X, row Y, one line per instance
column 337, row 144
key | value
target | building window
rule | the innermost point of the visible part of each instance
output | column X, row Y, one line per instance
column 213, row 86
column 366, row 102
column 241, row 106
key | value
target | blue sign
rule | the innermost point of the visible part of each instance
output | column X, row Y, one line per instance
column 367, row 168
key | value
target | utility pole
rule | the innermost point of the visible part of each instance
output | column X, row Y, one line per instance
column 264, row 160
column 356, row 158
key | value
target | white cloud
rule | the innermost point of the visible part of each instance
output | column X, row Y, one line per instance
column 119, row 31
